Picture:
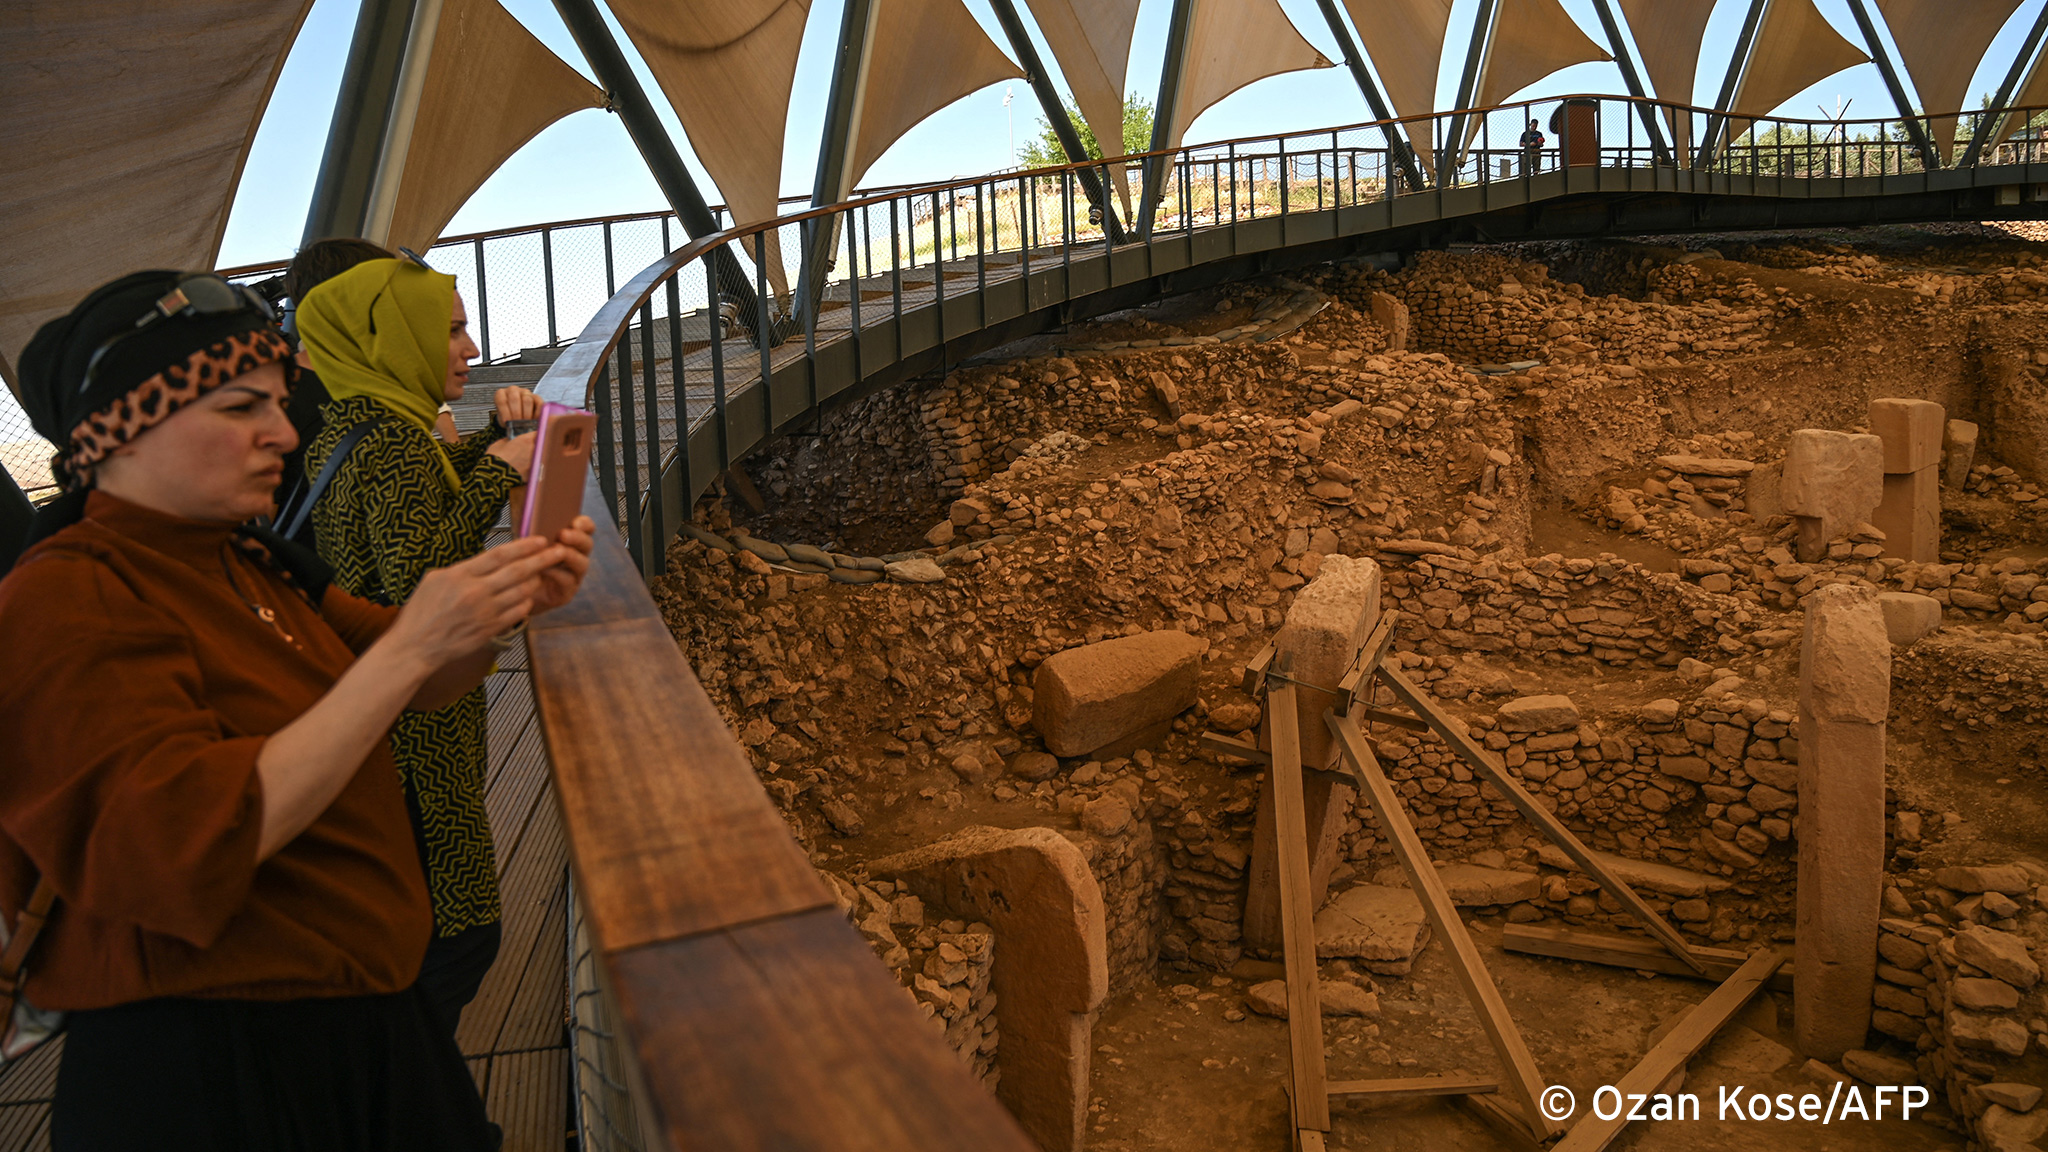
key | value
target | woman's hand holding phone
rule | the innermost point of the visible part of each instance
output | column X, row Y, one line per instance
column 518, row 452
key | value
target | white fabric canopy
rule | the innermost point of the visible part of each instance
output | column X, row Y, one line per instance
column 1532, row 39
column 124, row 127
column 1232, row 43
column 727, row 68
column 1796, row 48
column 491, row 87
column 1405, row 39
column 922, row 56
column 1091, row 39
column 1941, row 43
column 1667, row 35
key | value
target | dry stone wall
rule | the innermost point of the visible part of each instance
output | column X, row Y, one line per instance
column 944, row 965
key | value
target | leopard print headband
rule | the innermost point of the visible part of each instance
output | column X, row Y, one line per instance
column 154, row 400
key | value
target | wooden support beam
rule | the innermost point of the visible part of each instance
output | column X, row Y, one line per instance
column 1297, row 918
column 1483, row 763
column 1414, row 1087
column 1525, row 1082
column 1370, row 654
column 1255, row 670
column 1591, row 1134
column 1232, row 746
column 1505, row 1120
column 1393, row 719
column 1632, row 952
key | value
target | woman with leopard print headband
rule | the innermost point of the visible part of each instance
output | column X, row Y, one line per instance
column 198, row 766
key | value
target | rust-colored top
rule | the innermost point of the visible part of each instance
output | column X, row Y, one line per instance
column 139, row 687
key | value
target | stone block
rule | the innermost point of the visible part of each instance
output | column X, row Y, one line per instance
column 1374, row 924
column 1338, row 997
column 1640, row 874
column 1909, row 515
column 2005, row 879
column 2018, row 1097
column 1911, row 431
column 1877, row 1068
column 1986, row 1033
column 1316, row 645
column 2001, row 955
column 1707, row 466
column 1836, row 478
column 1033, row 886
column 1908, row 615
column 1539, row 714
column 1391, row 314
column 1844, row 695
column 2001, row 1129
column 1958, row 452
column 1088, row 697
column 1981, row 995
column 1476, row 886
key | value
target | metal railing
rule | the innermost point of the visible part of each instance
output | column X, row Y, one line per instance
column 649, row 365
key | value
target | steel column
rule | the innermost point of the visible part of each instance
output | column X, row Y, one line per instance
column 1914, row 129
column 1987, row 128
column 362, row 110
column 1397, row 147
column 1634, row 79
column 835, row 148
column 1056, row 115
column 1453, row 148
column 1737, row 65
column 1163, row 111
column 624, row 96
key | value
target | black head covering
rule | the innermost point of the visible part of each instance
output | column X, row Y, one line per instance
column 53, row 365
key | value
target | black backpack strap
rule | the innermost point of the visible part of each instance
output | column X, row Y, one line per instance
column 302, row 507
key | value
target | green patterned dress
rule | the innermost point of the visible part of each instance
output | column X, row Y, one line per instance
column 385, row 519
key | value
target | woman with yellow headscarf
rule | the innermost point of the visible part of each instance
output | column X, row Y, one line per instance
column 390, row 339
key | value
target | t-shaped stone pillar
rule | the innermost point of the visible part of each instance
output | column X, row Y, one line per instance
column 1051, row 970
column 1845, row 670
column 1390, row 313
column 1326, row 625
column 1832, row 482
column 1910, row 513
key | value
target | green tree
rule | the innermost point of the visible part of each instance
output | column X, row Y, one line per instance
column 1043, row 150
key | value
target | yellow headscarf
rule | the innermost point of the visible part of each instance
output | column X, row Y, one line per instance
column 380, row 330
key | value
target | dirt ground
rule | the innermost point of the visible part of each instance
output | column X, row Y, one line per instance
column 1169, row 521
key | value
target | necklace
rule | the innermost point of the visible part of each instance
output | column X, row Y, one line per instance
column 263, row 611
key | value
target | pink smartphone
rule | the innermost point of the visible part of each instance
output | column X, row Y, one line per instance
column 561, row 461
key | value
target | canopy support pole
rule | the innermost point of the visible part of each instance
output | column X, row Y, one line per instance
column 1738, row 63
column 1914, row 129
column 1452, row 151
column 625, row 96
column 1629, row 76
column 1171, row 69
column 1988, row 127
column 363, row 110
column 1056, row 115
column 1397, row 147
column 835, row 150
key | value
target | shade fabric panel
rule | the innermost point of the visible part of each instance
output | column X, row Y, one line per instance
column 1667, row 35
column 121, row 153
column 1941, row 43
column 1405, row 40
column 1532, row 39
column 922, row 56
column 491, row 87
column 1796, row 48
column 1091, row 39
column 1232, row 43
column 727, row 68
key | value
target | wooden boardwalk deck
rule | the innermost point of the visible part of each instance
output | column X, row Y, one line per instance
column 513, row 1033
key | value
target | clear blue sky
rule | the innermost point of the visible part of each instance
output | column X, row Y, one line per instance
column 586, row 166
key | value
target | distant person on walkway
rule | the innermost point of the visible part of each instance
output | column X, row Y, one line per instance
column 196, row 761
column 1533, row 142
column 391, row 340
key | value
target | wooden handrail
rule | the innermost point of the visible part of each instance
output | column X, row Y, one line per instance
column 757, row 1016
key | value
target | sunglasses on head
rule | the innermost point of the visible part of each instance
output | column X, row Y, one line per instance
column 199, row 294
